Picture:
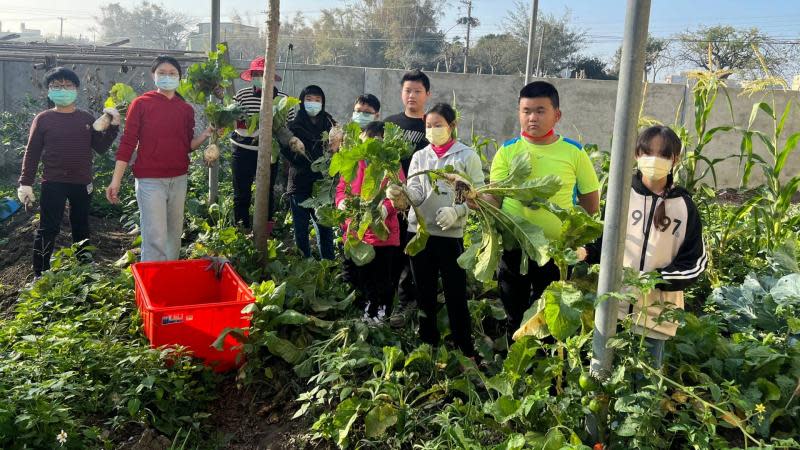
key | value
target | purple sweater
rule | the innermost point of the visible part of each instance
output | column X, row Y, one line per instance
column 64, row 143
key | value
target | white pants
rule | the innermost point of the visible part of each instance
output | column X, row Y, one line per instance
column 161, row 202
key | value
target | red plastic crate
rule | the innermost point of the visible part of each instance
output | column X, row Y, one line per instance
column 183, row 303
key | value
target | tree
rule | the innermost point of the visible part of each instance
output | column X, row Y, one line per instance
column 658, row 55
column 450, row 56
column 300, row 35
column 146, row 25
column 591, row 68
column 727, row 48
column 498, row 52
column 263, row 166
column 561, row 42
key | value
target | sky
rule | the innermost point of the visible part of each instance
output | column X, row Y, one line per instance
column 602, row 20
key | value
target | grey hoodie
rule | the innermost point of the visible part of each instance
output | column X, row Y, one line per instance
column 465, row 160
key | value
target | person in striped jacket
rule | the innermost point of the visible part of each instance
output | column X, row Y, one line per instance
column 245, row 144
column 664, row 235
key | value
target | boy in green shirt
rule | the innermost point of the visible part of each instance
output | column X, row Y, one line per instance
column 551, row 154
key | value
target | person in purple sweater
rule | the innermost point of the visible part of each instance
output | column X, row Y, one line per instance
column 62, row 138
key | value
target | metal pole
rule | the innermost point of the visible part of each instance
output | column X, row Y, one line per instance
column 531, row 38
column 629, row 98
column 469, row 25
column 213, row 171
column 539, row 55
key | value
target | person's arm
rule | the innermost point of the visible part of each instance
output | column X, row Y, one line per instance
column 499, row 171
column 588, row 184
column 201, row 138
column 33, row 153
column 691, row 260
column 590, row 202
column 415, row 188
column 284, row 136
column 341, row 190
column 112, row 191
column 127, row 145
column 102, row 140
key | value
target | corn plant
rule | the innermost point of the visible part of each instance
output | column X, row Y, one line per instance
column 708, row 85
column 773, row 200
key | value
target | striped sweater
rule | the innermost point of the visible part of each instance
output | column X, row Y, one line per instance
column 249, row 99
column 63, row 142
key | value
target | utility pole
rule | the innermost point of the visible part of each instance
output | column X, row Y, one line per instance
column 61, row 33
column 539, row 56
column 469, row 26
column 213, row 171
column 531, row 38
column 629, row 98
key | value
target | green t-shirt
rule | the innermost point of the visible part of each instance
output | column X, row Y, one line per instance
column 564, row 158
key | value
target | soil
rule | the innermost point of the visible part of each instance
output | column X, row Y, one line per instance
column 250, row 423
column 16, row 244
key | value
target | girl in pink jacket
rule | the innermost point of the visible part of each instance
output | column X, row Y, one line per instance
column 373, row 281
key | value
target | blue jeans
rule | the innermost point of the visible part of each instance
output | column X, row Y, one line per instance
column 301, row 217
column 161, row 202
column 656, row 349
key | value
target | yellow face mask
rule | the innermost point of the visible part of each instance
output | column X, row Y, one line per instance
column 438, row 136
column 654, row 167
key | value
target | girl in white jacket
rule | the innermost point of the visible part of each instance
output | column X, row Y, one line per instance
column 445, row 222
column 664, row 235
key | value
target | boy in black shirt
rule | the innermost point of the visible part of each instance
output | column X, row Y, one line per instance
column 415, row 91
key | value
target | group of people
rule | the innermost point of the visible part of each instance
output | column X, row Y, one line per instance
column 664, row 228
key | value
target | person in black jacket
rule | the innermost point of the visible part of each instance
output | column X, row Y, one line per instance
column 309, row 125
column 664, row 235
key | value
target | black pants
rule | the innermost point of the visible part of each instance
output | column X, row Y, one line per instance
column 440, row 259
column 373, row 281
column 244, row 167
column 53, row 200
column 402, row 279
column 518, row 292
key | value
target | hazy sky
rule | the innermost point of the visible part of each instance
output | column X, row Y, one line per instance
column 601, row 19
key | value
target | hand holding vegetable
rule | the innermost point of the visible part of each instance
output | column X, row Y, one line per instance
column 25, row 195
column 115, row 116
column 396, row 194
column 296, row 145
column 582, row 254
column 335, row 138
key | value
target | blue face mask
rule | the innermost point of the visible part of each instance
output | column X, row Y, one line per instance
column 62, row 97
column 362, row 118
column 167, row 82
column 313, row 108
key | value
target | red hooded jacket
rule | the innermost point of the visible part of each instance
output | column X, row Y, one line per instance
column 163, row 129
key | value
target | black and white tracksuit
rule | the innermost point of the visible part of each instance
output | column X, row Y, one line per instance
column 673, row 248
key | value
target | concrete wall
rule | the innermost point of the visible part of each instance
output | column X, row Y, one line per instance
column 487, row 102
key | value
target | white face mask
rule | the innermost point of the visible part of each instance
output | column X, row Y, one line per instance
column 653, row 167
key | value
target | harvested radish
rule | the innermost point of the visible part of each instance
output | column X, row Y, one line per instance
column 211, row 154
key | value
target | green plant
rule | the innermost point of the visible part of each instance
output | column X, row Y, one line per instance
column 773, row 199
column 208, row 78
column 707, row 87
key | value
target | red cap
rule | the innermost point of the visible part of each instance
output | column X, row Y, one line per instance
column 256, row 65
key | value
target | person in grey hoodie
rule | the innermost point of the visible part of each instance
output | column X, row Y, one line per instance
column 445, row 222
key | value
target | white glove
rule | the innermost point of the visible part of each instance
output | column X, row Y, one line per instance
column 25, row 195
column 446, row 217
column 89, row 188
column 394, row 192
column 296, row 145
column 115, row 117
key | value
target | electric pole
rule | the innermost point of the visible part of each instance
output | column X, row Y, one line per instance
column 61, row 33
column 531, row 38
column 213, row 170
column 468, row 21
column 539, row 56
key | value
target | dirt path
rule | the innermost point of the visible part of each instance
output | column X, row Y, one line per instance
column 16, row 243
